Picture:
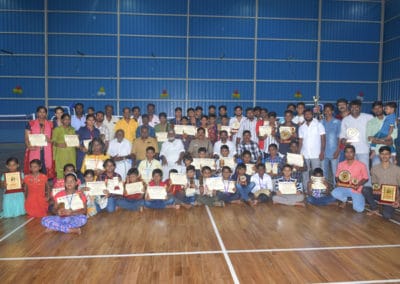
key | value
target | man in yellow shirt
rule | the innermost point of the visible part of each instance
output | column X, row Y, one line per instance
column 127, row 124
column 140, row 145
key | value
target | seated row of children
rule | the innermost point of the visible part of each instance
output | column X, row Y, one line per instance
column 71, row 201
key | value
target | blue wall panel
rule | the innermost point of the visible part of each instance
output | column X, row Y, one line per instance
column 152, row 89
column 220, row 90
column 222, row 48
column 392, row 9
column 349, row 71
column 31, row 88
column 221, row 27
column 284, row 91
column 22, row 65
column 79, row 5
column 351, row 10
column 153, row 25
column 82, row 66
column 154, row 6
column 78, row 88
column 350, row 31
column 332, row 91
column 23, row 43
column 287, row 50
column 243, row 8
column 82, row 23
column 21, row 22
column 21, row 5
column 392, row 70
column 291, row 29
column 156, row 47
column 84, row 44
column 392, row 28
column 220, row 69
column 288, row 8
column 147, row 68
column 392, row 49
column 349, row 51
column 288, row 70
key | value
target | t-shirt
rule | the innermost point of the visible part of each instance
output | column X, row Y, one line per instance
column 357, row 170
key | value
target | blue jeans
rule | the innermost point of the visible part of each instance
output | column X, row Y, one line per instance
column 261, row 197
column 130, row 204
column 245, row 190
column 321, row 201
column 342, row 193
column 228, row 197
column 159, row 204
column 365, row 159
column 333, row 163
column 180, row 197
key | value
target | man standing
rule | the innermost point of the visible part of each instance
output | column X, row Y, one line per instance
column 140, row 145
column 312, row 143
column 127, row 124
column 373, row 127
column 223, row 135
column 354, row 131
column 235, row 122
column 78, row 119
column 356, row 176
column 110, row 120
column 249, row 123
column 383, row 173
column 200, row 142
column 251, row 146
column 104, row 132
column 153, row 117
column 332, row 149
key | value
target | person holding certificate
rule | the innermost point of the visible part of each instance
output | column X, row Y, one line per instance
column 262, row 190
column 11, row 181
column 133, row 192
column 249, row 145
column 184, row 194
column 95, row 157
column 207, row 196
column 384, row 173
column 160, row 186
column 200, row 142
column 86, row 133
column 243, row 182
column 273, row 162
column 93, row 203
column 70, row 209
column 149, row 164
column 351, row 175
column 286, row 133
column 230, row 194
column 108, row 176
column 319, row 189
column 299, row 165
column 288, row 190
column 63, row 153
column 44, row 152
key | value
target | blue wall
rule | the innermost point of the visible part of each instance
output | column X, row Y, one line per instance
column 200, row 51
column 391, row 54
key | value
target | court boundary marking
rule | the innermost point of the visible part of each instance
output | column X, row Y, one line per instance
column 177, row 253
column 364, row 281
column 16, row 229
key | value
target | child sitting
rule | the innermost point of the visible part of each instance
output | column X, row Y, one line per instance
column 319, row 189
column 284, row 198
column 262, row 190
column 167, row 202
column 132, row 202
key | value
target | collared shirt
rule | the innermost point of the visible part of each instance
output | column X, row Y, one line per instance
column 311, row 135
column 390, row 176
column 78, row 122
column 146, row 168
column 172, row 150
column 357, row 170
column 360, row 124
column 253, row 148
column 332, row 129
column 195, row 144
column 264, row 182
column 152, row 132
column 104, row 131
column 140, row 145
column 129, row 128
column 373, row 127
column 110, row 124
column 235, row 121
column 250, row 125
column 121, row 150
column 230, row 144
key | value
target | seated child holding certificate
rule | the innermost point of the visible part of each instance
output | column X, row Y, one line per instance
column 135, row 201
column 13, row 199
column 109, row 176
column 319, row 189
column 206, row 195
column 148, row 165
column 224, row 155
column 184, row 194
column 68, row 168
column 262, row 190
column 167, row 202
column 70, row 209
column 93, row 202
column 95, row 157
column 295, row 197
column 230, row 194
column 297, row 172
column 243, row 182
column 246, row 160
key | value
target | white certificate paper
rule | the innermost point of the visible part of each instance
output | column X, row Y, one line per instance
column 287, row 187
column 134, row 188
column 178, row 179
column 71, row 140
column 295, row 159
column 162, row 136
column 157, row 192
column 37, row 140
column 199, row 163
column 96, row 187
column 71, row 202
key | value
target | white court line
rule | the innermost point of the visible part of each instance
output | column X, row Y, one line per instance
column 391, row 220
column 16, row 229
column 364, row 282
column 194, row 253
column 221, row 243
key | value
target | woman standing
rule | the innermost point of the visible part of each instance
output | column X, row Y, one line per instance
column 43, row 153
column 62, row 153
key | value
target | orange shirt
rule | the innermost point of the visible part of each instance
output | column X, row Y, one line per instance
column 357, row 170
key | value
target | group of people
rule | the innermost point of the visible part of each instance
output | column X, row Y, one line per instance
column 99, row 162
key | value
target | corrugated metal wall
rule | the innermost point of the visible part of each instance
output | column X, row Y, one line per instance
column 199, row 51
column 391, row 55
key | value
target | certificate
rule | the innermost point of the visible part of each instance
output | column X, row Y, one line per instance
column 86, row 143
column 227, row 162
column 250, row 169
column 215, row 183
column 56, row 190
column 236, row 125
column 71, row 140
column 227, row 129
column 295, row 159
column 178, row 128
column 13, row 181
column 265, row 130
column 199, row 163
column 134, row 188
column 178, row 179
column 71, row 202
column 190, row 130
column 287, row 187
column 190, row 191
column 352, row 135
column 162, row 136
column 318, row 183
column 94, row 164
column 96, row 187
column 114, row 186
column 286, row 132
column 157, row 192
column 388, row 194
column 37, row 140
column 271, row 168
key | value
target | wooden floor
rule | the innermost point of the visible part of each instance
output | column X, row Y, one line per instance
column 238, row 243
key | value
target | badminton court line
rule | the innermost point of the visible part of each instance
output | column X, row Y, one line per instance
column 16, row 229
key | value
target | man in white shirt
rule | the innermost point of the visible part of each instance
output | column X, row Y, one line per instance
column 235, row 122
column 171, row 154
column 223, row 135
column 312, row 142
column 78, row 120
column 354, row 131
column 248, row 124
column 104, row 132
column 299, row 118
column 120, row 150
column 110, row 120
column 153, row 118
